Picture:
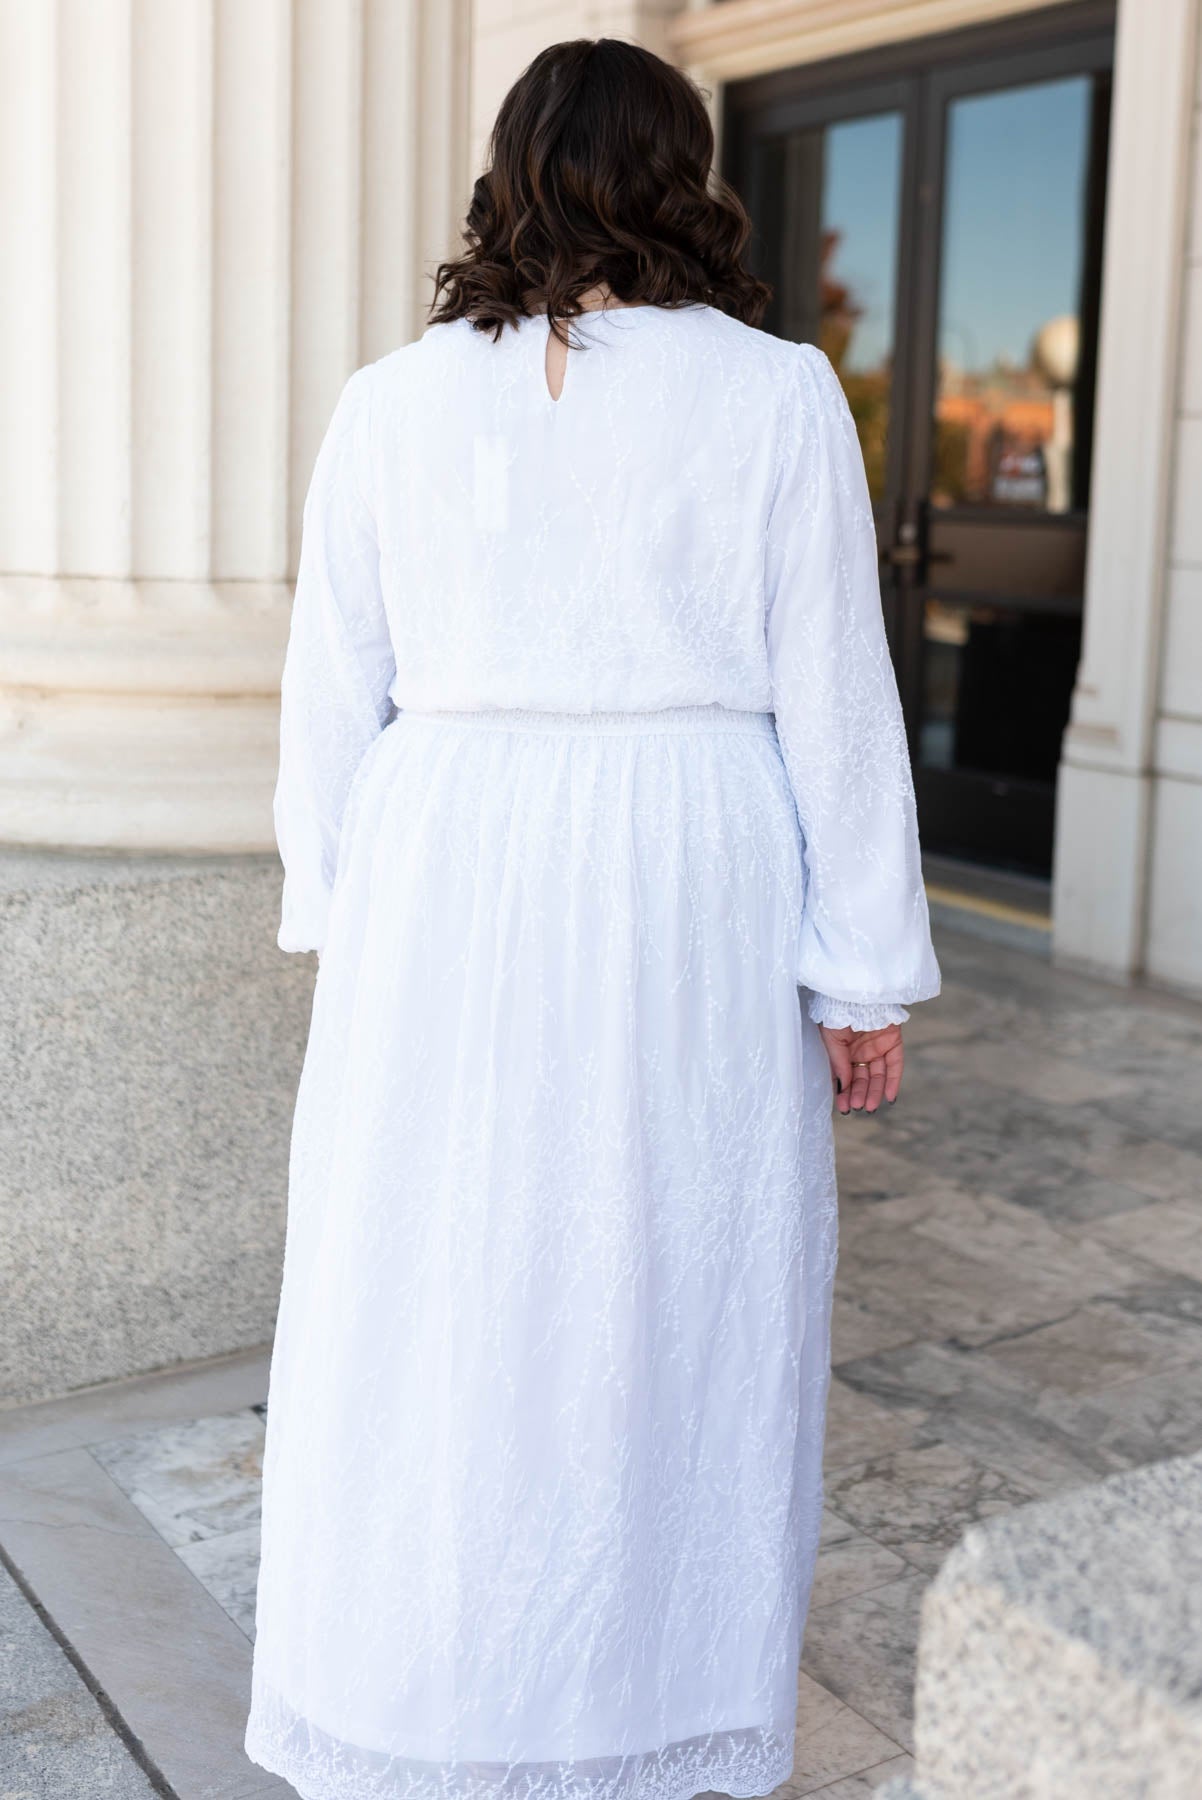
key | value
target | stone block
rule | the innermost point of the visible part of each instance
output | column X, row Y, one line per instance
column 151, row 1041
column 1061, row 1649
column 55, row 1738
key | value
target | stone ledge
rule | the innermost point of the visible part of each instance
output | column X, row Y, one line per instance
column 52, row 1730
column 1061, row 1649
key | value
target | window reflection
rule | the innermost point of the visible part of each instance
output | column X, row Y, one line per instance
column 834, row 192
column 858, row 272
column 997, row 683
column 1009, row 330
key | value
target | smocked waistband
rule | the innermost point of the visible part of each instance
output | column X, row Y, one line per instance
column 651, row 723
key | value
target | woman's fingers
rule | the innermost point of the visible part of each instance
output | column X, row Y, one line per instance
column 866, row 1067
column 877, row 1060
column 839, row 1057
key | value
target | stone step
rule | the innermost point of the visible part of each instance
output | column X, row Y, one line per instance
column 1060, row 1655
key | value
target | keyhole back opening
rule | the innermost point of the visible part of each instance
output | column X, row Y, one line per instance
column 555, row 365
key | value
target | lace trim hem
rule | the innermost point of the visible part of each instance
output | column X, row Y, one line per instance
column 745, row 1764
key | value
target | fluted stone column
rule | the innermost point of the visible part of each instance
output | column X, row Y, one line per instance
column 211, row 210
column 1129, row 794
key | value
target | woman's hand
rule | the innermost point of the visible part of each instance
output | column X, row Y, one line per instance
column 866, row 1066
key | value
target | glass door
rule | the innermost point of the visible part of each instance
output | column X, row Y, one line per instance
column 937, row 231
column 824, row 180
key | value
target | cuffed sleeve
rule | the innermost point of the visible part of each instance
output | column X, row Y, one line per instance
column 865, row 947
column 861, row 1016
column 337, row 672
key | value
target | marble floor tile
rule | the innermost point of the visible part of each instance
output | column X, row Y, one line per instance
column 850, row 1563
column 1110, row 1339
column 1168, row 1233
column 1132, row 1423
column 856, row 1787
column 928, row 1292
column 228, row 1568
column 972, row 1220
column 862, row 1327
column 1050, row 1264
column 1076, row 1197
column 857, row 1427
column 1168, row 1108
column 863, row 1651
column 1133, row 1039
column 987, row 1138
column 919, row 1502
column 831, row 1741
column 969, row 1265
column 991, row 1414
column 1053, row 1080
column 871, row 1171
column 1163, row 1171
column 191, row 1481
column 1130, row 1039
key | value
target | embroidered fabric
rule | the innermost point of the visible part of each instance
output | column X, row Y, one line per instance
column 322, row 1767
column 642, row 542
column 589, row 760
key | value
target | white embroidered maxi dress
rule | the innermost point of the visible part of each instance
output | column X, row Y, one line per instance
column 591, row 757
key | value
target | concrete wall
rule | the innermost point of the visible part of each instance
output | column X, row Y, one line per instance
column 151, row 1040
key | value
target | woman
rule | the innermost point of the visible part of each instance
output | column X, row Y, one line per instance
column 591, row 757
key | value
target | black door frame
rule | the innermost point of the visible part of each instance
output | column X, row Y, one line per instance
column 916, row 79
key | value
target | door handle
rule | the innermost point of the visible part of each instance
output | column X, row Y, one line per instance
column 913, row 556
column 903, row 556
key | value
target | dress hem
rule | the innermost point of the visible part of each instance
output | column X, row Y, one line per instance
column 739, row 1786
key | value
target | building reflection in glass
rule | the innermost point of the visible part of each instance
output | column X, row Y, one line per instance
column 857, row 273
column 1010, row 285
column 833, row 191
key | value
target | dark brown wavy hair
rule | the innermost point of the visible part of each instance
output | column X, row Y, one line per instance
column 600, row 169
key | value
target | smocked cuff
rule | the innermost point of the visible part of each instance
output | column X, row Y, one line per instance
column 861, row 1015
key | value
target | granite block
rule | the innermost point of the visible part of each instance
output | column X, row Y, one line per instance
column 1061, row 1651
column 152, row 1044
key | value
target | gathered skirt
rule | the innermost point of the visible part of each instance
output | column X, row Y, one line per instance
column 542, row 1481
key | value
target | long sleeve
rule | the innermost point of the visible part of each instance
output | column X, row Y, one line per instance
column 865, row 945
column 337, row 671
